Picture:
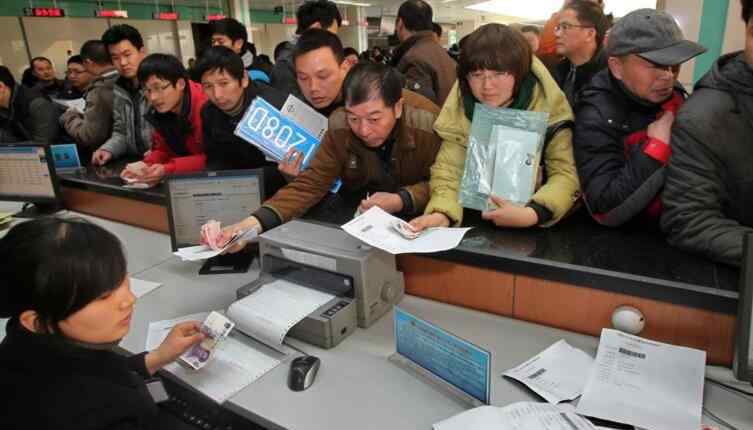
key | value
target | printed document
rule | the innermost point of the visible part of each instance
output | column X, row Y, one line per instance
column 271, row 311
column 645, row 383
column 234, row 365
column 314, row 122
column 556, row 374
column 518, row 416
column 376, row 228
column 203, row 252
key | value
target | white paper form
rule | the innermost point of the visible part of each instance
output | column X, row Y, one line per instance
column 308, row 118
column 557, row 374
column 375, row 227
column 79, row 105
column 203, row 252
column 645, row 383
column 140, row 287
column 271, row 311
column 234, row 366
column 518, row 416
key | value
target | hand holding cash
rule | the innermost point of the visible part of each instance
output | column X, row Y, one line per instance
column 182, row 337
column 231, row 239
column 214, row 329
column 405, row 229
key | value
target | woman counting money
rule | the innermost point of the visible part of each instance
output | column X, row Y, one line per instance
column 64, row 286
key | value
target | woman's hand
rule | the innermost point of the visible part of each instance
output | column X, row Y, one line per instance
column 510, row 215
column 182, row 337
column 437, row 219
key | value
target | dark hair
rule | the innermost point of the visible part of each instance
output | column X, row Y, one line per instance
column 531, row 29
column 75, row 59
column 367, row 80
column 220, row 58
column 437, row 29
column 121, row 32
column 747, row 5
column 316, row 38
column 416, row 15
column 281, row 48
column 57, row 266
column 349, row 51
column 324, row 12
column 96, row 51
column 35, row 59
column 264, row 59
column 494, row 47
column 6, row 77
column 229, row 27
column 589, row 13
column 162, row 66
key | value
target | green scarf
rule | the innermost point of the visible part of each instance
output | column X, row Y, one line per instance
column 521, row 100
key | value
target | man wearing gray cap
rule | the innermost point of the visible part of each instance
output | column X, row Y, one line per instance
column 623, row 119
column 709, row 188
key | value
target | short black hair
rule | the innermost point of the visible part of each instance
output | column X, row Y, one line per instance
column 324, row 12
column 75, row 59
column 55, row 267
column 162, row 66
column 229, row 27
column 350, row 51
column 281, row 48
column 747, row 7
column 531, row 29
column 365, row 81
column 316, row 38
column 96, row 51
column 35, row 59
column 6, row 77
column 416, row 15
column 121, row 32
column 590, row 14
column 220, row 58
column 437, row 29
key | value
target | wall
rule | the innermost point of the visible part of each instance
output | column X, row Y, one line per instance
column 688, row 16
column 734, row 36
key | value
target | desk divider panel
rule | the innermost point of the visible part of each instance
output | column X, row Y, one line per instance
column 128, row 211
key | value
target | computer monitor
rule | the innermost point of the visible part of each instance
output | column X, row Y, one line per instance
column 27, row 174
column 226, row 196
column 742, row 364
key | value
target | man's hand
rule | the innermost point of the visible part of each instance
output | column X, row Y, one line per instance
column 389, row 202
column 211, row 236
column 101, row 157
column 290, row 166
column 510, row 215
column 437, row 219
column 182, row 337
column 662, row 128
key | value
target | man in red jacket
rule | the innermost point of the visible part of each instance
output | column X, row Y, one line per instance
column 175, row 114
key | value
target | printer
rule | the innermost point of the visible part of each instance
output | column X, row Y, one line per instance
column 363, row 279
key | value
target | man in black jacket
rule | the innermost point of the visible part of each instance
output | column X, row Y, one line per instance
column 580, row 36
column 230, row 33
column 230, row 93
column 624, row 117
column 25, row 114
column 707, row 198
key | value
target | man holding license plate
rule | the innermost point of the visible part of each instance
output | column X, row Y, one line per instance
column 381, row 145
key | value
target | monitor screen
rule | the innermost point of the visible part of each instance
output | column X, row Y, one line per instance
column 227, row 196
column 26, row 173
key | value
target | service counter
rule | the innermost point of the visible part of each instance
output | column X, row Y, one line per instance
column 571, row 276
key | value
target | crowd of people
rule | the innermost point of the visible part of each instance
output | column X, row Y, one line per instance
column 624, row 138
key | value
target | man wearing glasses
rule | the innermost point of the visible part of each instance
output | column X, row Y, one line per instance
column 580, row 34
column 623, row 118
column 76, row 79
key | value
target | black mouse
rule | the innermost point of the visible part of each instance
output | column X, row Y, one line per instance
column 302, row 372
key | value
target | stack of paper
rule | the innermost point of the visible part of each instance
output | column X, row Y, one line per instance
column 518, row 416
column 377, row 228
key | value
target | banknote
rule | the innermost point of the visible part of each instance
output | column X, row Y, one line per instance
column 215, row 328
column 405, row 229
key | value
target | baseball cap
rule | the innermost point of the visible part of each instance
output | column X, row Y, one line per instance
column 653, row 35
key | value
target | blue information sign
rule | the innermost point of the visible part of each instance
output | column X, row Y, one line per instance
column 454, row 360
column 65, row 156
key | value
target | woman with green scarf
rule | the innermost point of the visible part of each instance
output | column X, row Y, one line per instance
column 498, row 69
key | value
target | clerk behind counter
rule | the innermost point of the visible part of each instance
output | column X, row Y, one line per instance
column 381, row 142
column 64, row 286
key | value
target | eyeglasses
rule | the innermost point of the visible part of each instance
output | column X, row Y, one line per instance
column 156, row 89
column 491, row 76
column 566, row 26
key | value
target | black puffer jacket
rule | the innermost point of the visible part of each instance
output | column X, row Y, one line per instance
column 708, row 198
column 30, row 117
column 620, row 168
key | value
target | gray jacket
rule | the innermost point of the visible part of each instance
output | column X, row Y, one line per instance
column 128, row 120
column 92, row 127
